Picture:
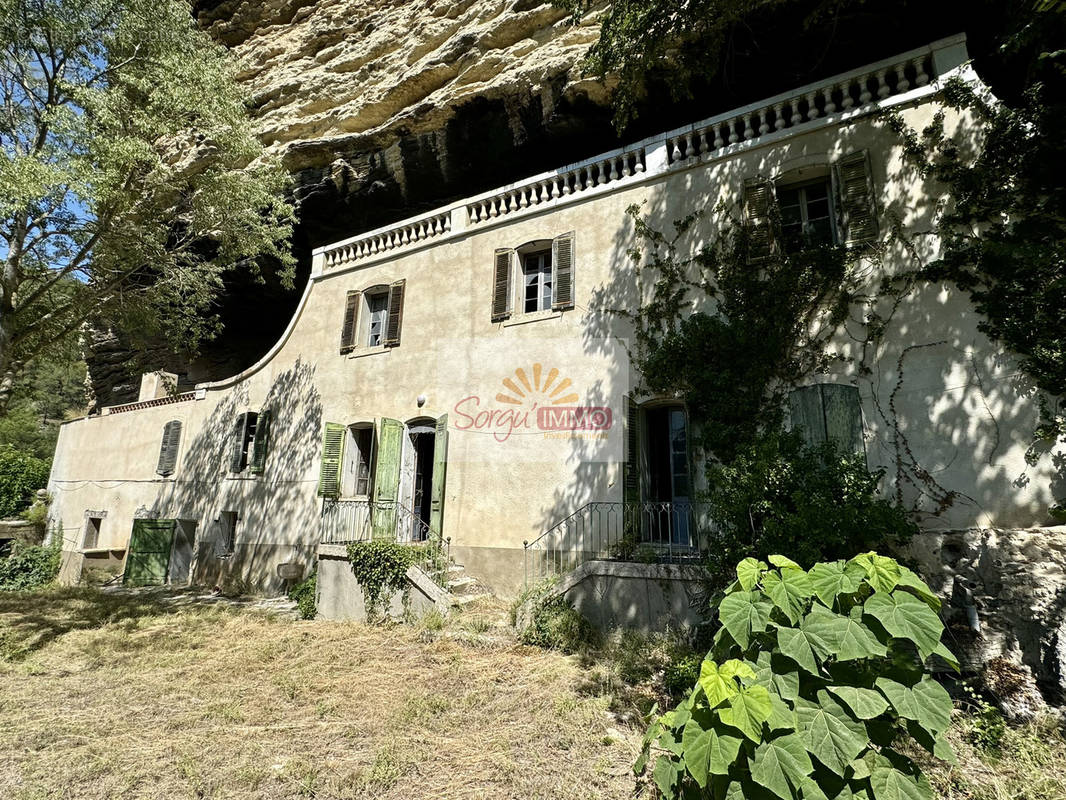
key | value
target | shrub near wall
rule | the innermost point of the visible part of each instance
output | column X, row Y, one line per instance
column 20, row 476
column 29, row 566
column 814, row 679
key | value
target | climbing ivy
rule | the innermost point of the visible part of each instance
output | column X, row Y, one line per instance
column 380, row 567
column 813, row 682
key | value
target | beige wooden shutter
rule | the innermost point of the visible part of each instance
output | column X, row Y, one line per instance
column 351, row 317
column 329, row 478
column 168, row 449
column 395, row 319
column 854, row 188
column 563, row 272
column 760, row 217
column 501, row 285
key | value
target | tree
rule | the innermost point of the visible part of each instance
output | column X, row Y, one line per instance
column 132, row 180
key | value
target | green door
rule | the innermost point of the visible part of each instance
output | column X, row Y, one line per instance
column 148, row 555
column 387, row 478
column 440, row 466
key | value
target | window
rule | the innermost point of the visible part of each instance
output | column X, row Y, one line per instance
column 537, row 281
column 358, row 460
column 227, row 533
column 828, row 412
column 806, row 215
column 246, row 424
column 91, row 539
column 372, row 318
column 168, row 448
column 251, row 441
column 378, row 310
column 537, row 276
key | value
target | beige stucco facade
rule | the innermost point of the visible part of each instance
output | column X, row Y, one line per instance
column 939, row 398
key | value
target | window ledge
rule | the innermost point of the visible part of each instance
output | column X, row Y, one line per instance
column 369, row 351
column 535, row 316
column 98, row 550
column 243, row 477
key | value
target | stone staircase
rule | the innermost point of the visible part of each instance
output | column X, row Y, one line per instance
column 464, row 588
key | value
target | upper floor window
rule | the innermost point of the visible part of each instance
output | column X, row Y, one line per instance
column 372, row 318
column 831, row 204
column 537, row 281
column 250, row 443
column 537, row 276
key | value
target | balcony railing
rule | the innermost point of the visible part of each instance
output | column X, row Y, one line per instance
column 629, row 531
column 359, row 520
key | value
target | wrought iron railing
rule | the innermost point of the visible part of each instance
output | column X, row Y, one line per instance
column 649, row 531
column 360, row 520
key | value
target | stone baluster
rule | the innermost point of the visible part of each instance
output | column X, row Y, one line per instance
column 846, row 100
column 627, row 159
column 921, row 77
column 703, row 145
column 601, row 173
column 447, row 223
column 523, row 201
column 883, row 89
column 812, row 106
column 638, row 159
column 512, row 204
column 779, row 116
column 830, row 106
column 719, row 142
column 672, row 151
column 749, row 132
column 864, row 90
column 902, row 84
column 614, row 170
column 764, row 121
column 733, row 137
column 588, row 176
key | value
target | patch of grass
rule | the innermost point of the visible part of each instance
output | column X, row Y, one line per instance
column 133, row 696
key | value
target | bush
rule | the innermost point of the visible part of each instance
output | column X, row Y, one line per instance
column 380, row 566
column 29, row 566
column 545, row 619
column 303, row 594
column 780, row 495
column 20, row 476
column 813, row 681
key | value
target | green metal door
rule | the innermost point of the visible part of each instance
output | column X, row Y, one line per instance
column 148, row 555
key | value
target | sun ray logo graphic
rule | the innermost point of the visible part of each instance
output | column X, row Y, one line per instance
column 536, row 386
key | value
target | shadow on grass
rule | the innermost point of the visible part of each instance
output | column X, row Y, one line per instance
column 30, row 621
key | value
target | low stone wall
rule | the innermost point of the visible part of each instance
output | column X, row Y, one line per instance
column 644, row 597
column 340, row 596
column 1004, row 594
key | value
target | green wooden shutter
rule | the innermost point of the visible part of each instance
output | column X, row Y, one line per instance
column 351, row 317
column 828, row 412
column 760, row 218
column 440, row 468
column 631, row 478
column 563, row 272
column 805, row 406
column 148, row 552
column 329, row 477
column 855, row 190
column 843, row 417
column 262, row 441
column 395, row 317
column 501, row 285
column 168, row 449
column 239, row 434
column 387, row 478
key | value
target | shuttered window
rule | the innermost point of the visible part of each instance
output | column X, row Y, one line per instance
column 563, row 272
column 501, row 285
column 243, row 436
column 395, row 317
column 349, row 327
column 261, row 442
column 854, row 187
column 168, row 448
column 760, row 218
column 329, row 478
column 828, row 412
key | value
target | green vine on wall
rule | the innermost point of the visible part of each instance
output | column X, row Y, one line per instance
column 380, row 567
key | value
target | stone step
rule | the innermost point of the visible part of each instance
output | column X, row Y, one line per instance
column 466, row 599
column 460, row 583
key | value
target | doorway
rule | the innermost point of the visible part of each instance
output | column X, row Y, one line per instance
column 669, row 492
column 181, row 553
column 417, row 489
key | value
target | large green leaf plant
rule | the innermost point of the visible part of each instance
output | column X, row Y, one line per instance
column 814, row 679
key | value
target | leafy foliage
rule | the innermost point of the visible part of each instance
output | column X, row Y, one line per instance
column 756, row 331
column 813, row 680
column 30, row 566
column 303, row 594
column 777, row 486
column 381, row 567
column 133, row 180
column 20, row 476
column 546, row 619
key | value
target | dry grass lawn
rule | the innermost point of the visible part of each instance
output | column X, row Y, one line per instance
column 105, row 696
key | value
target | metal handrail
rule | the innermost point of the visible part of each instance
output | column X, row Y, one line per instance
column 352, row 520
column 651, row 531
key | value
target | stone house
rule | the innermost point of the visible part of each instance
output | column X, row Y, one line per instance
column 458, row 377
